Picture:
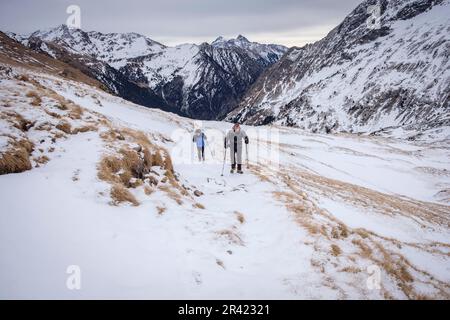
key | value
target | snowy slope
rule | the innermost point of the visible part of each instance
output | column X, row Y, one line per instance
column 359, row 79
column 308, row 218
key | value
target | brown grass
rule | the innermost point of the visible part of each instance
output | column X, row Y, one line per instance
column 23, row 77
column 119, row 194
column 369, row 246
column 148, row 190
column 42, row 159
column 53, row 114
column 365, row 250
column 161, row 210
column 231, row 236
column 339, row 232
column 220, row 263
column 83, row 129
column 172, row 194
column 19, row 122
column 75, row 112
column 132, row 167
column 335, row 250
column 351, row 269
column 62, row 106
column 198, row 205
column 65, row 127
column 17, row 159
column 36, row 99
column 240, row 216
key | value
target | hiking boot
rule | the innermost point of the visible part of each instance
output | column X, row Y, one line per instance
column 240, row 171
column 232, row 171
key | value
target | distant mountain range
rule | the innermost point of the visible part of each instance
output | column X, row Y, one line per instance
column 202, row 81
column 356, row 79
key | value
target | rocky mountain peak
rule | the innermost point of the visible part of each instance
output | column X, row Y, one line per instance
column 359, row 78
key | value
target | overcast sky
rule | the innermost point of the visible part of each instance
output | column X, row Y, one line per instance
column 288, row 22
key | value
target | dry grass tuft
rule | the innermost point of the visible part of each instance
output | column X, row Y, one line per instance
column 148, row 190
column 18, row 121
column 351, row 269
column 365, row 250
column 132, row 166
column 23, row 77
column 161, row 210
column 172, row 194
column 335, row 250
column 362, row 233
column 119, row 194
column 339, row 231
column 17, row 159
column 84, row 129
column 53, row 114
column 198, row 205
column 240, row 216
column 42, row 159
column 231, row 236
column 36, row 99
column 65, row 127
column 75, row 112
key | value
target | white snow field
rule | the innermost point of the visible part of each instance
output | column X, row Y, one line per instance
column 314, row 217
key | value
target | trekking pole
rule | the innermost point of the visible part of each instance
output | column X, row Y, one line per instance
column 224, row 156
column 246, row 155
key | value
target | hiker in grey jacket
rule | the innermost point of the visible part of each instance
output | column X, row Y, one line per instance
column 233, row 140
column 200, row 140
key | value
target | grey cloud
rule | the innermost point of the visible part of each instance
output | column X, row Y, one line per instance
column 183, row 20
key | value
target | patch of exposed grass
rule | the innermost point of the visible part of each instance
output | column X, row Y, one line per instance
column 133, row 166
column 231, row 236
column 83, row 129
column 17, row 158
column 64, row 126
column 36, row 99
column 120, row 194
column 240, row 216
column 198, row 205
column 161, row 210
column 335, row 250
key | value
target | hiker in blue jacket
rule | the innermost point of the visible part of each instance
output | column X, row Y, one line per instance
column 199, row 139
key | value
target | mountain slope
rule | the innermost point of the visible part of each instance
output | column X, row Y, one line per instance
column 112, row 79
column 360, row 79
column 267, row 54
column 200, row 81
column 92, row 181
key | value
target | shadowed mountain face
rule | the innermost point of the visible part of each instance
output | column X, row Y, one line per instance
column 359, row 78
column 200, row 81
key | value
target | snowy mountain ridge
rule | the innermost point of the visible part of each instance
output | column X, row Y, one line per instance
column 360, row 79
column 202, row 81
column 112, row 48
column 268, row 53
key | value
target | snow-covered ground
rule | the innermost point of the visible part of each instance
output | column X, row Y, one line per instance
column 314, row 216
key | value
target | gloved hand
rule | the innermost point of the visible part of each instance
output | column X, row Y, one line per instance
column 246, row 140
